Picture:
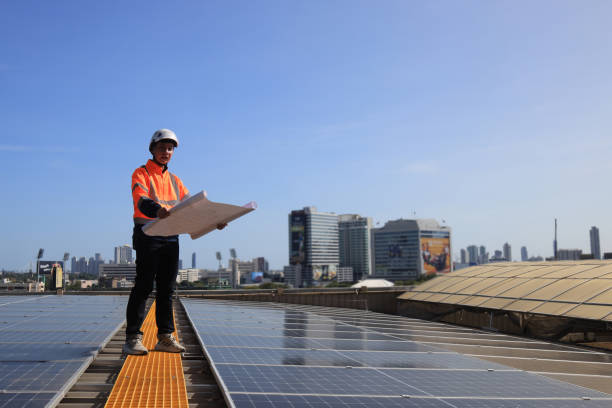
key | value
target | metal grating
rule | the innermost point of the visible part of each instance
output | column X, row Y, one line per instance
column 153, row 380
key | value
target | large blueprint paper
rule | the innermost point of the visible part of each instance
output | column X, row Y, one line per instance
column 196, row 216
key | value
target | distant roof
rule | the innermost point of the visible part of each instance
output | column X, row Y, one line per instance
column 576, row 289
column 373, row 283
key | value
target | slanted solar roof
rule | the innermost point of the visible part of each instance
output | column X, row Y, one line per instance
column 570, row 289
column 279, row 355
column 47, row 341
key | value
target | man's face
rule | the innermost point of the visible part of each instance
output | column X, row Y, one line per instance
column 162, row 152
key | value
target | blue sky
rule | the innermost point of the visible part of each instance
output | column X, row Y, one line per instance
column 491, row 115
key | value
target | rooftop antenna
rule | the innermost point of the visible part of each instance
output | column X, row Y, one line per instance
column 555, row 242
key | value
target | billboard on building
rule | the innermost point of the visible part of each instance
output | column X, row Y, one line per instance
column 297, row 254
column 257, row 277
column 436, row 255
column 45, row 267
column 324, row 273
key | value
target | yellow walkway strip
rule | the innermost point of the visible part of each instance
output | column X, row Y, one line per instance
column 154, row 380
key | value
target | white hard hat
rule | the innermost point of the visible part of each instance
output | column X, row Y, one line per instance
column 163, row 134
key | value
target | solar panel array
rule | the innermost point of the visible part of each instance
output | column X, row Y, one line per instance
column 47, row 341
column 278, row 355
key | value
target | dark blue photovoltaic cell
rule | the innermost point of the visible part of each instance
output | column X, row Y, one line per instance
column 280, row 357
column 315, row 334
column 46, row 340
column 504, row 384
column 363, row 381
column 26, row 399
column 256, row 341
column 279, row 325
column 374, row 345
column 52, row 336
column 46, row 352
column 517, row 403
column 327, row 357
column 309, row 356
column 311, row 380
column 35, row 376
column 308, row 401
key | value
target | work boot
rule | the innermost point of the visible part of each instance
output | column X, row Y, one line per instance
column 168, row 343
column 133, row 345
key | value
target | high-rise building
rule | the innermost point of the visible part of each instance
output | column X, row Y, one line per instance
column 354, row 244
column 313, row 244
column 524, row 256
column 82, row 265
column 261, row 264
column 595, row 248
column 507, row 252
column 73, row 265
column 91, row 266
column 472, row 251
column 193, row 260
column 407, row 249
column 463, row 256
column 483, row 256
column 123, row 255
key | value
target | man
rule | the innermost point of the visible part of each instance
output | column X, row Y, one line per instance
column 155, row 191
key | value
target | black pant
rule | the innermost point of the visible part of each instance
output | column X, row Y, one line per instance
column 156, row 260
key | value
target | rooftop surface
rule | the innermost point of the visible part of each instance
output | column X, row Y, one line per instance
column 581, row 289
column 282, row 355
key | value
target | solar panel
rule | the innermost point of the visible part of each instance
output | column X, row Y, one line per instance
column 310, row 401
column 313, row 401
column 52, row 336
column 267, row 355
column 311, row 380
column 45, row 341
column 527, row 403
column 280, row 357
column 26, row 399
column 36, row 376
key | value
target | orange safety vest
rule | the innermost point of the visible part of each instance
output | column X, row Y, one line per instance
column 156, row 183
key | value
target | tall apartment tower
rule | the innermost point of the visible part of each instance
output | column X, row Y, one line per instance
column 595, row 248
column 463, row 256
column 261, row 264
column 507, row 252
column 524, row 256
column 472, row 251
column 313, row 244
column 483, row 256
column 354, row 244
column 193, row 260
column 123, row 255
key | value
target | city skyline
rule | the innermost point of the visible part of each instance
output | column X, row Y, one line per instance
column 593, row 234
column 393, row 110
